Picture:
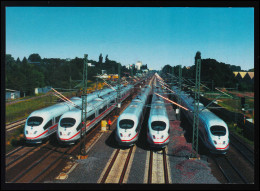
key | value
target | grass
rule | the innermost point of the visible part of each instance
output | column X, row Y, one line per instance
column 239, row 132
column 234, row 105
column 23, row 109
column 15, row 139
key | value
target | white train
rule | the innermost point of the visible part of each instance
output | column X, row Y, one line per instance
column 213, row 131
column 130, row 121
column 158, row 122
column 70, row 122
column 41, row 123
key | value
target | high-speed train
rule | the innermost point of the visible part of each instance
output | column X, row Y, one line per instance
column 70, row 122
column 158, row 122
column 130, row 121
column 213, row 131
column 41, row 123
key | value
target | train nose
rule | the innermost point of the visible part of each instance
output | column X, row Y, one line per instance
column 63, row 133
column 158, row 137
column 220, row 144
column 30, row 132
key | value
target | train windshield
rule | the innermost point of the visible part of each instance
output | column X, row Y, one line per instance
column 67, row 122
column 34, row 121
column 218, row 130
column 126, row 124
column 158, row 125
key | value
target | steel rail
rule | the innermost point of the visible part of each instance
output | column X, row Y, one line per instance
column 19, row 176
column 125, row 166
column 242, row 153
column 166, row 178
column 110, row 166
column 50, row 165
column 21, row 156
column 221, row 169
column 13, row 151
column 237, row 171
column 249, row 149
column 150, row 168
column 14, row 126
column 8, row 124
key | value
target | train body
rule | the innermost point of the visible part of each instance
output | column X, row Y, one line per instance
column 41, row 123
column 130, row 121
column 70, row 123
column 213, row 131
column 158, row 122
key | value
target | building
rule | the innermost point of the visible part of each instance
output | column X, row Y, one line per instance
column 138, row 65
column 42, row 90
column 11, row 94
column 90, row 65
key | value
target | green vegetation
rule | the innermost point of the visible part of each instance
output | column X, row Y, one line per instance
column 234, row 105
column 213, row 74
column 23, row 109
column 239, row 132
column 15, row 139
column 28, row 74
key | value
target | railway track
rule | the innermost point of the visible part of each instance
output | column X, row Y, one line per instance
column 18, row 154
column 119, row 165
column 43, row 161
column 116, row 170
column 15, row 124
column 29, row 165
column 244, row 150
column 231, row 173
column 158, row 172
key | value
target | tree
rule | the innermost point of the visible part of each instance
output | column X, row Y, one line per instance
column 106, row 59
column 100, row 59
column 34, row 58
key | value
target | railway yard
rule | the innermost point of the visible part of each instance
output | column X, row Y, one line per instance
column 106, row 162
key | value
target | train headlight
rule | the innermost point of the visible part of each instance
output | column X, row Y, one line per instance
column 129, row 135
column 35, row 132
column 26, row 132
column 224, row 142
column 162, row 137
column 121, row 134
column 215, row 142
column 60, row 133
column 69, row 133
column 153, row 136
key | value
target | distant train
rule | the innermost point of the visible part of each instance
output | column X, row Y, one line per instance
column 130, row 121
column 213, row 131
column 41, row 123
column 158, row 124
column 70, row 123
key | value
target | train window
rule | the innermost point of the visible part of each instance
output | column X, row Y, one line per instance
column 158, row 125
column 102, row 109
column 79, row 126
column 34, row 121
column 126, row 124
column 218, row 130
column 57, row 119
column 49, row 124
column 91, row 117
column 67, row 122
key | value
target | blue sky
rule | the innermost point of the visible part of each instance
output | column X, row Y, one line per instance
column 154, row 35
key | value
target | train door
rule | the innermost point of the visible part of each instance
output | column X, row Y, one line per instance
column 90, row 118
column 48, row 126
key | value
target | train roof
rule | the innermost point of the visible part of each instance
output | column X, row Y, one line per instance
column 58, row 109
column 211, row 119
